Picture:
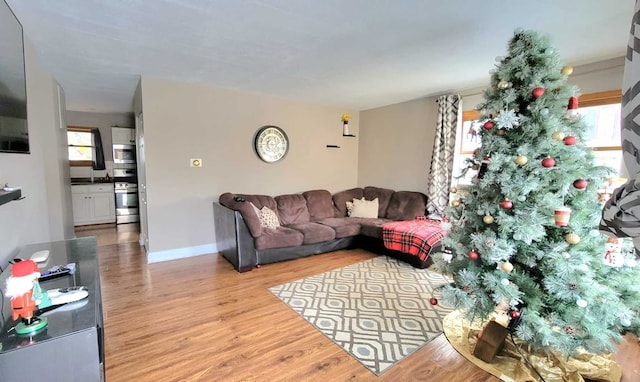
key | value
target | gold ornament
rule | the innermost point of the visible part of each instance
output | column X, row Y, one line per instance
column 557, row 135
column 453, row 189
column 488, row 219
column 500, row 132
column 503, row 84
column 567, row 70
column 521, row 160
column 455, row 203
column 572, row 238
column 506, row 266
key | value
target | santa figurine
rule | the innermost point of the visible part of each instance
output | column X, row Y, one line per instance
column 25, row 293
column 572, row 107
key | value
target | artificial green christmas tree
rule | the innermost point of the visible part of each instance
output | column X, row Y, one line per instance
column 524, row 236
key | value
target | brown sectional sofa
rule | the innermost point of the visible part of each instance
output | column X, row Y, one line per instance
column 311, row 222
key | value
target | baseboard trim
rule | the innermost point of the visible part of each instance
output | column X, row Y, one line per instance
column 181, row 253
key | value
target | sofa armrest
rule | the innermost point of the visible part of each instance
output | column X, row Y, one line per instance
column 233, row 239
column 240, row 203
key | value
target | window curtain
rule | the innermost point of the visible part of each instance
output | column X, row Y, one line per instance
column 443, row 151
column 621, row 213
column 98, row 152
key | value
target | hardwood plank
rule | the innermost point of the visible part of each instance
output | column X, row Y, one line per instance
column 197, row 319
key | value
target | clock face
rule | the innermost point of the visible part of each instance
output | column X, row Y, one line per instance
column 271, row 143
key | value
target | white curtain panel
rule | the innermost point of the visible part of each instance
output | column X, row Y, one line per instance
column 443, row 150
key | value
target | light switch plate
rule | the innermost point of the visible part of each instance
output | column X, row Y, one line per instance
column 195, row 162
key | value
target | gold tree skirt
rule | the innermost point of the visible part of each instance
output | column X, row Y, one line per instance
column 508, row 365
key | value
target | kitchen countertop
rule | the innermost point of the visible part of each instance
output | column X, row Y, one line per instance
column 86, row 181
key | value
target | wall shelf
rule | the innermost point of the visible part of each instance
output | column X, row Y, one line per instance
column 8, row 196
column 333, row 146
column 348, row 135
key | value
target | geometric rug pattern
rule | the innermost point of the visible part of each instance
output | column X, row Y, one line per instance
column 377, row 310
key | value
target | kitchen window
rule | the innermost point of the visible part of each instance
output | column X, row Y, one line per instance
column 81, row 146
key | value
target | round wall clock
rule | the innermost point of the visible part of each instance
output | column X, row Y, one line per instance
column 271, row 143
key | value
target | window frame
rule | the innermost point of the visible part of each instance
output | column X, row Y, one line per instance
column 80, row 129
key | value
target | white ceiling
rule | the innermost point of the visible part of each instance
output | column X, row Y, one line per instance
column 356, row 54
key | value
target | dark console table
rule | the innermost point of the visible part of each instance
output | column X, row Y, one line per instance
column 71, row 347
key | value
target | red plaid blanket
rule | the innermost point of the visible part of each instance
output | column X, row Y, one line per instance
column 415, row 237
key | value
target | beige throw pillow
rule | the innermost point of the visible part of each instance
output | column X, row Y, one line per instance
column 350, row 207
column 364, row 208
column 268, row 218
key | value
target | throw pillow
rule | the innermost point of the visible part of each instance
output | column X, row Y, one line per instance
column 268, row 218
column 350, row 206
column 365, row 208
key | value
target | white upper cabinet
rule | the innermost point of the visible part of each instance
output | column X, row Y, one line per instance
column 123, row 136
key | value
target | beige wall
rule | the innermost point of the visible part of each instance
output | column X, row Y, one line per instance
column 43, row 215
column 183, row 121
column 396, row 142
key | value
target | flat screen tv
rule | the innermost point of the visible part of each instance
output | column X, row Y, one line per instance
column 14, row 135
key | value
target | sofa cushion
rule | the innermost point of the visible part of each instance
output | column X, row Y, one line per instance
column 406, row 205
column 363, row 208
column 292, row 209
column 246, row 210
column 384, row 197
column 344, row 227
column 278, row 238
column 314, row 232
column 371, row 227
column 341, row 198
column 319, row 204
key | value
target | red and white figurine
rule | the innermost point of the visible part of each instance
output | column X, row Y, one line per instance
column 20, row 289
column 572, row 107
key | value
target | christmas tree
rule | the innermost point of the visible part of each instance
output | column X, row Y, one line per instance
column 524, row 238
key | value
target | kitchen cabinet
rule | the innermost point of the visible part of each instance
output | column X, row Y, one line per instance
column 123, row 136
column 93, row 204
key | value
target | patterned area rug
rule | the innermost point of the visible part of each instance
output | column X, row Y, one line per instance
column 377, row 310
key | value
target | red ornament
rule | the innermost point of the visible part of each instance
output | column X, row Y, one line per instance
column 473, row 255
column 580, row 184
column 433, row 301
column 548, row 162
column 489, row 125
column 537, row 92
column 507, row 204
column 476, row 151
column 569, row 140
column 515, row 314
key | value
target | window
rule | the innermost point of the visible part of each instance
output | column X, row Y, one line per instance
column 601, row 113
column 81, row 147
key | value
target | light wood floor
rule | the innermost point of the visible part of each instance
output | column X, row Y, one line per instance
column 197, row 319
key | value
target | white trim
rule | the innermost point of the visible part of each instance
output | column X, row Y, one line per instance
column 181, row 253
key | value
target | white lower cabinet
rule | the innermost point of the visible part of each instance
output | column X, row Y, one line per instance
column 93, row 204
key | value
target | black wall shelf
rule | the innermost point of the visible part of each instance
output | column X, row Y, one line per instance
column 333, row 146
column 348, row 135
column 8, row 196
